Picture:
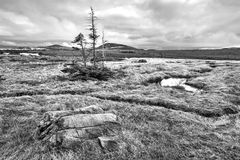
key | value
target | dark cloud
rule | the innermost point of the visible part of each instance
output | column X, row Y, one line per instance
column 141, row 23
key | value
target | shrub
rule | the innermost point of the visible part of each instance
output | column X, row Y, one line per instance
column 202, row 70
column 154, row 80
column 77, row 72
column 140, row 61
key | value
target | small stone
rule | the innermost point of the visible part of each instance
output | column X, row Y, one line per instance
column 109, row 143
column 93, row 109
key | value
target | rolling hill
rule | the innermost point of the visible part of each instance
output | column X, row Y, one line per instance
column 58, row 47
column 116, row 46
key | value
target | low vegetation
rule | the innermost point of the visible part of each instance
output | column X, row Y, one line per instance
column 158, row 122
column 77, row 72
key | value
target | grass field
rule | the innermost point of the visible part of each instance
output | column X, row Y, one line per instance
column 158, row 122
column 214, row 54
column 129, row 52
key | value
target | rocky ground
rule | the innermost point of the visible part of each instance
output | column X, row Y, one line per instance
column 157, row 122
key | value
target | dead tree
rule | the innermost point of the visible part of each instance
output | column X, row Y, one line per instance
column 103, row 48
column 93, row 35
column 81, row 41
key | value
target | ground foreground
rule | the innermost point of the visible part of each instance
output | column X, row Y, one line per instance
column 158, row 122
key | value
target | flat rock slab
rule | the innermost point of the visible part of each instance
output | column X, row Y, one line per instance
column 93, row 109
column 107, row 129
column 171, row 82
column 79, row 121
column 66, row 127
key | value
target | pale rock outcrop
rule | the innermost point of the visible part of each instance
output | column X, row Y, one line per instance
column 89, row 122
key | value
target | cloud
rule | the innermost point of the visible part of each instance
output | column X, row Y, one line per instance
column 141, row 23
column 16, row 18
column 123, row 11
column 8, row 43
column 4, row 31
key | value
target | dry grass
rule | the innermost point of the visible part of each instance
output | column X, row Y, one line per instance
column 158, row 122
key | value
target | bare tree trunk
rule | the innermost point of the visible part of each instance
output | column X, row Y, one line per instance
column 93, row 37
column 84, row 56
column 103, row 47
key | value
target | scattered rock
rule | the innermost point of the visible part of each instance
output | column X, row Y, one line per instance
column 93, row 109
column 64, row 127
column 179, row 83
column 189, row 88
column 170, row 82
column 109, row 143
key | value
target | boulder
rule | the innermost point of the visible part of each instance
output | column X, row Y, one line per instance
column 78, row 125
column 86, row 120
column 171, row 82
column 64, row 127
column 106, row 129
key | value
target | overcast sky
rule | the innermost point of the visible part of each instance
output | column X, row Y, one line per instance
column 155, row 24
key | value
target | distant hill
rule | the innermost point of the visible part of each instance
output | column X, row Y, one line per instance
column 5, row 47
column 115, row 50
column 116, row 46
column 58, row 47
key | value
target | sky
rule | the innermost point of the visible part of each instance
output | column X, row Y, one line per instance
column 155, row 24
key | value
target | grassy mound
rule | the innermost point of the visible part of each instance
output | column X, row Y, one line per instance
column 77, row 72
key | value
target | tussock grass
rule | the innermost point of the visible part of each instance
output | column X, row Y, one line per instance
column 150, row 133
column 196, row 83
column 158, row 122
column 155, row 79
column 186, row 75
column 37, row 92
column 203, row 70
column 30, row 82
column 161, row 103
